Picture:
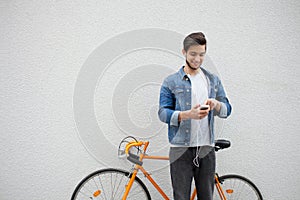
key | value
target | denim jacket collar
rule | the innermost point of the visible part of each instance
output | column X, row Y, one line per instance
column 183, row 75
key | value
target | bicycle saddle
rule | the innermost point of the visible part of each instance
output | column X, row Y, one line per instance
column 222, row 144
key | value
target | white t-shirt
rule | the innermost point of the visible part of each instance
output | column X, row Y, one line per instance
column 200, row 134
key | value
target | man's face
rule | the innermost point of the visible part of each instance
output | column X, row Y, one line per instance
column 195, row 55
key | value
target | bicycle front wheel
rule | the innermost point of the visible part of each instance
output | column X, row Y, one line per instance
column 237, row 187
column 109, row 184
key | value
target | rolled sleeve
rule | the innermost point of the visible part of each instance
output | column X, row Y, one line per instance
column 223, row 110
column 174, row 119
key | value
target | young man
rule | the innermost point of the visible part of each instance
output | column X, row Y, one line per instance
column 183, row 97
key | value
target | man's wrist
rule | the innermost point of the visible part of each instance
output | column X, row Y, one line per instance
column 218, row 107
column 183, row 115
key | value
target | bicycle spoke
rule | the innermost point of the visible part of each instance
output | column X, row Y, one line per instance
column 121, row 191
column 115, row 189
column 102, row 187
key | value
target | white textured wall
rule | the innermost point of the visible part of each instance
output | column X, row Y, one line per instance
column 47, row 45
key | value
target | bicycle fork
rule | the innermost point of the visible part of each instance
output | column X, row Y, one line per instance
column 129, row 185
column 148, row 176
column 219, row 188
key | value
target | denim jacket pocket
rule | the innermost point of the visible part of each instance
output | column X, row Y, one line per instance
column 178, row 91
column 179, row 96
column 213, row 91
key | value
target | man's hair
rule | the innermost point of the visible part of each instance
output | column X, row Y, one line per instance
column 194, row 39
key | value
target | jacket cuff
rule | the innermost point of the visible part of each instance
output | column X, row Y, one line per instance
column 223, row 110
column 174, row 118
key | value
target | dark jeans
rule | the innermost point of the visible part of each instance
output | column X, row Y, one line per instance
column 183, row 170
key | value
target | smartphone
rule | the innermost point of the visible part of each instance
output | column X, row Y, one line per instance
column 204, row 107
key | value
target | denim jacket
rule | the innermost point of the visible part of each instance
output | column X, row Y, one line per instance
column 175, row 96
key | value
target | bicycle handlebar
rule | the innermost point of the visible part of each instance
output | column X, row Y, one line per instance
column 136, row 159
column 132, row 144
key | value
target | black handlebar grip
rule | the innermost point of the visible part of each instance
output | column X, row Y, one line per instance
column 134, row 159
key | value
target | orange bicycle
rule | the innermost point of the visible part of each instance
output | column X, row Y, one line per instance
column 116, row 184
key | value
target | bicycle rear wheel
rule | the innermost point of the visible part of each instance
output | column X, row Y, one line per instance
column 238, row 188
column 109, row 184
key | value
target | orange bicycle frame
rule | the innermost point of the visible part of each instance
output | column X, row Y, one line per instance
column 138, row 167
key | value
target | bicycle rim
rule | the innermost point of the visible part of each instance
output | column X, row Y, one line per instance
column 109, row 184
column 237, row 187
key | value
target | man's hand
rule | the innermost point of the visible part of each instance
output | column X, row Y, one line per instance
column 213, row 104
column 194, row 113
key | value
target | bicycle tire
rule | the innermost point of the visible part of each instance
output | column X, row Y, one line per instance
column 109, row 184
column 238, row 188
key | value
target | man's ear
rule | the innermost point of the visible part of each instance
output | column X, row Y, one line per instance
column 183, row 52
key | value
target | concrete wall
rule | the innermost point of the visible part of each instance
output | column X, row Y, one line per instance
column 78, row 76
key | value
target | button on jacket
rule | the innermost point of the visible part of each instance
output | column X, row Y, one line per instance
column 175, row 96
